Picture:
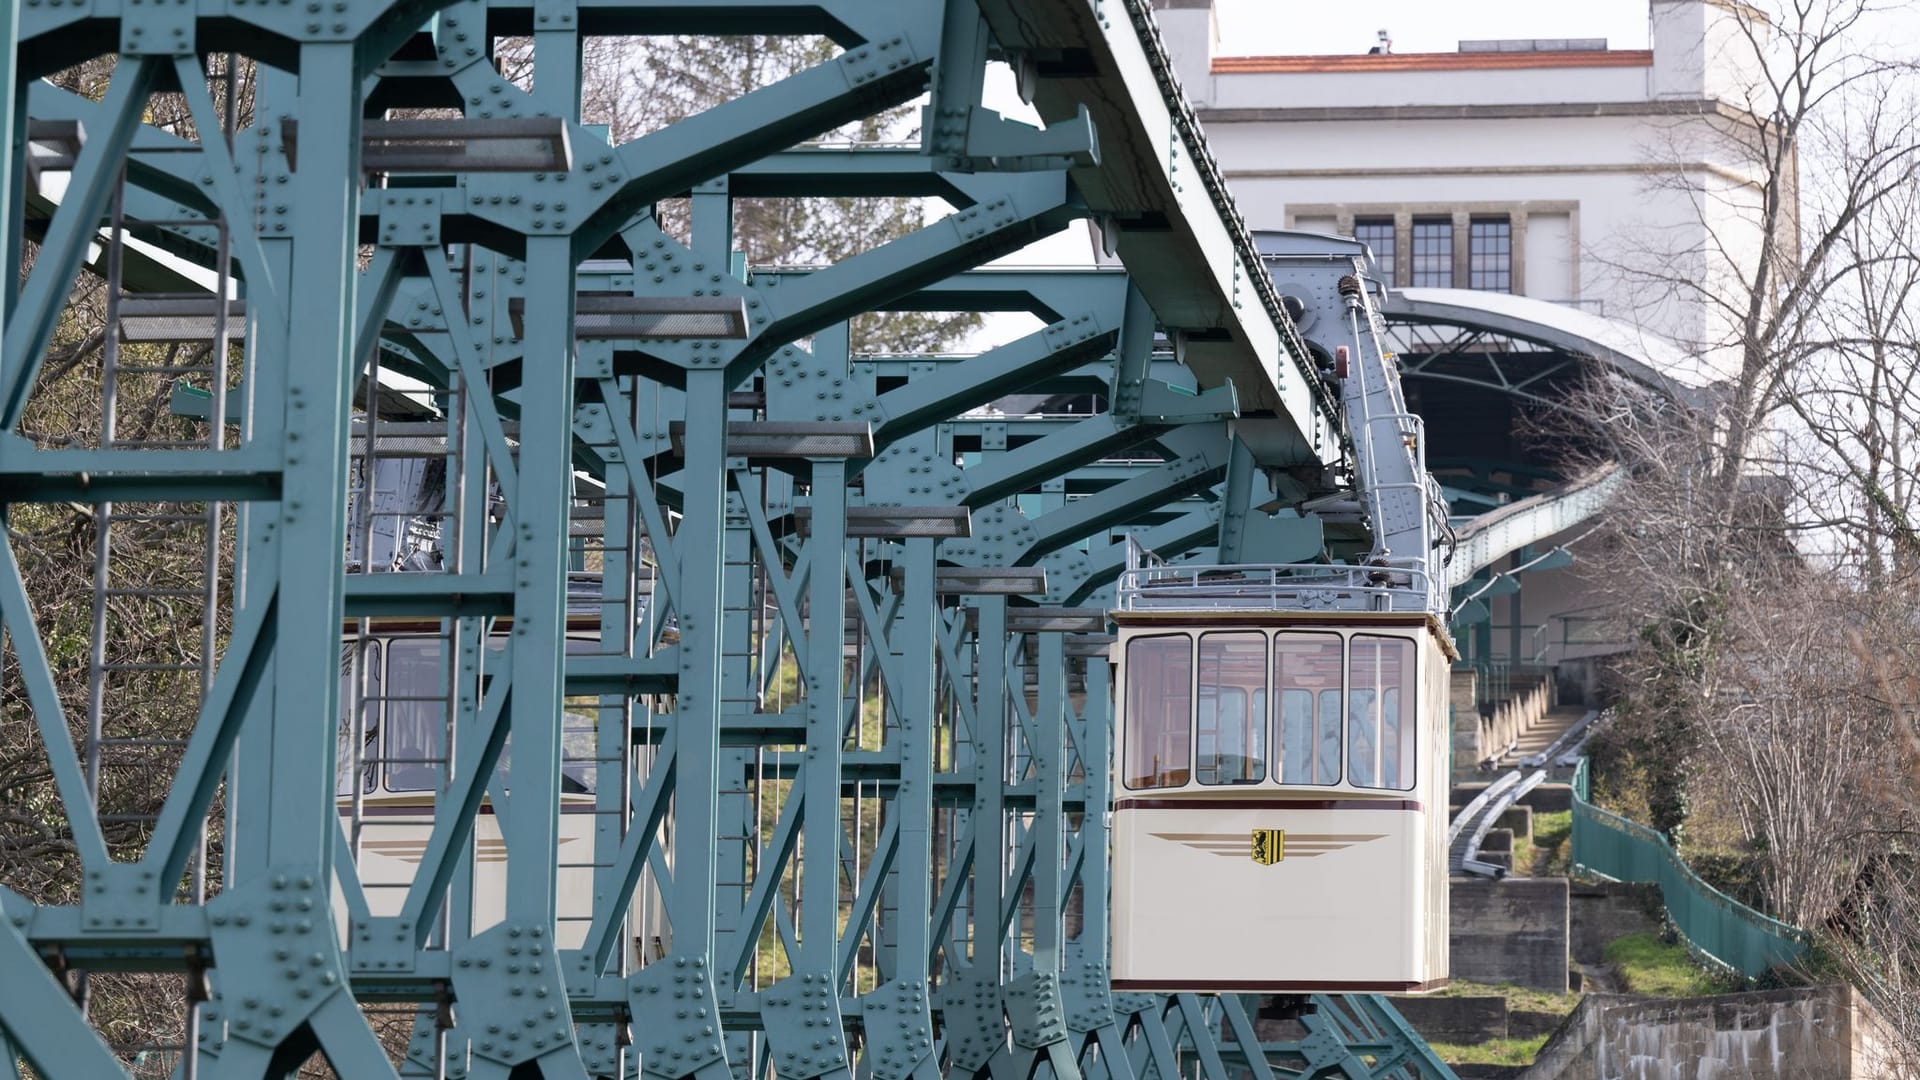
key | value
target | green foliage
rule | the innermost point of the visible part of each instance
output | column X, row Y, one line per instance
column 784, row 688
column 1552, row 828
column 1519, row 998
column 1551, row 848
column 1662, row 730
column 860, row 822
column 1491, row 1052
column 1736, row 873
column 1649, row 965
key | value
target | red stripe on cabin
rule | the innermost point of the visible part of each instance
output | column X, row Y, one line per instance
column 1267, row 804
column 1205, row 986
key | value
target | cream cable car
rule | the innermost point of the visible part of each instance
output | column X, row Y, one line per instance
column 1279, row 815
column 1282, row 771
column 391, row 753
column 393, row 734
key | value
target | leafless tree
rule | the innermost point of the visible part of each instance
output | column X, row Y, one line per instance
column 1812, row 141
column 1856, row 406
column 1800, row 747
column 1873, row 937
column 1663, row 567
column 1810, row 159
column 635, row 85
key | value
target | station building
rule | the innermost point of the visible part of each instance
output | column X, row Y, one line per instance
column 1516, row 192
column 1532, row 167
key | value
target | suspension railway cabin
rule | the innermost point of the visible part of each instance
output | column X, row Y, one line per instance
column 393, row 674
column 1280, row 798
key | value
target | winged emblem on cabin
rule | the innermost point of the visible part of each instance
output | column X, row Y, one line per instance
column 1268, row 846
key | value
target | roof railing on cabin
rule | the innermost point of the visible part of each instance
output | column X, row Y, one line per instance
column 1391, row 585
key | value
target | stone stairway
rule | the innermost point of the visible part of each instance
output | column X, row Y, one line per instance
column 1492, row 714
column 1540, row 733
column 1514, row 829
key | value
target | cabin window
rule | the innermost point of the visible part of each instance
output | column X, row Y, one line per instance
column 359, row 690
column 578, row 729
column 1380, row 727
column 1159, row 710
column 1306, row 682
column 416, row 714
column 577, row 753
column 1230, row 735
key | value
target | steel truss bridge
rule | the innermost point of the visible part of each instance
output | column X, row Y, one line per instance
column 848, row 690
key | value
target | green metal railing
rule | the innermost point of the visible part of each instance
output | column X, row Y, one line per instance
column 1717, row 927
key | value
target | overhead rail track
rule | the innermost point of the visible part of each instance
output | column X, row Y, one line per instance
column 1621, row 347
column 1162, row 204
column 1488, row 537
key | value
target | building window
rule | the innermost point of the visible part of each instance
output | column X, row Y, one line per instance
column 1377, row 234
column 1432, row 253
column 1490, row 254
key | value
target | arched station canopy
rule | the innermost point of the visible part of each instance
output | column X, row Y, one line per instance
column 1494, row 374
column 1636, row 353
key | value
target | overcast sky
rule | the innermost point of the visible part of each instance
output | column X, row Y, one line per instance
column 1282, row 27
column 1272, row 27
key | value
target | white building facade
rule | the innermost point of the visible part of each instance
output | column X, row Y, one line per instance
column 1549, row 169
column 1562, row 171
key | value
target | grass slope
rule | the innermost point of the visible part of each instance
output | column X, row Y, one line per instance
column 1651, row 966
column 1503, row 1051
column 1491, row 1052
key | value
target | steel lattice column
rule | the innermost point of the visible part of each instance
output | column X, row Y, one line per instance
column 962, row 927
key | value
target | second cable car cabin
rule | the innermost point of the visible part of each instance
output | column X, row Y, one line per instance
column 394, row 736
column 390, row 760
column 1280, row 801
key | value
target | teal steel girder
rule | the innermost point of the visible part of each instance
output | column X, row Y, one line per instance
column 930, row 798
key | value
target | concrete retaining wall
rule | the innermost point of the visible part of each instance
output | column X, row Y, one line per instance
column 1808, row 1033
column 1511, row 931
column 1549, row 798
column 1455, row 1019
column 1603, row 912
column 1467, row 749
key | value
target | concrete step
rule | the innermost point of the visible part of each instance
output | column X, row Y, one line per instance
column 1501, row 859
column 1510, row 931
column 1483, row 727
column 1543, row 732
column 1546, row 799
column 1459, row 1020
column 1518, row 820
column 1523, row 1024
